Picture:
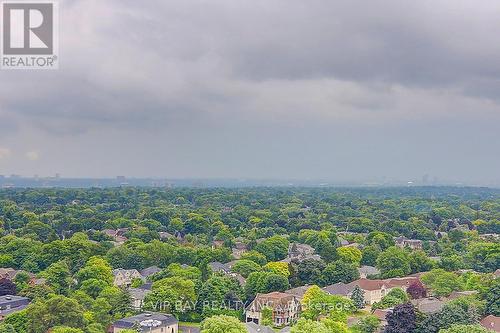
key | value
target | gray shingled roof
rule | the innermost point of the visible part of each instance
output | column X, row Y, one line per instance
column 338, row 289
column 428, row 305
column 12, row 301
column 147, row 272
column 130, row 322
column 299, row 291
column 219, row 267
column 368, row 270
column 10, row 304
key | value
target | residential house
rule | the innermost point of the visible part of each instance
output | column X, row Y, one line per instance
column 117, row 235
column 254, row 328
column 414, row 244
column 428, row 305
column 238, row 249
column 165, row 235
column 11, row 273
column 218, row 267
column 366, row 271
column 300, row 252
column 299, row 292
column 491, row 323
column 300, row 259
column 10, row 304
column 138, row 295
column 147, row 272
column 297, row 251
column 285, row 308
column 340, row 289
column 125, row 277
column 231, row 264
column 217, row 244
column 403, row 282
column 148, row 322
column 8, row 273
column 374, row 289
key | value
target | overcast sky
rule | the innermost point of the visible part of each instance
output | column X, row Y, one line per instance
column 339, row 90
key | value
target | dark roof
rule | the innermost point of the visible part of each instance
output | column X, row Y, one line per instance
column 299, row 291
column 147, row 272
column 338, row 289
column 219, row 267
column 428, row 305
column 12, row 302
column 146, row 286
column 165, row 319
column 5, row 313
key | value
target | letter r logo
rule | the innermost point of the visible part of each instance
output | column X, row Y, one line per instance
column 28, row 28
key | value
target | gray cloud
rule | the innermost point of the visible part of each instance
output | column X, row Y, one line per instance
column 208, row 88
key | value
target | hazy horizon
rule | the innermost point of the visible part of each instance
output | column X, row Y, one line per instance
column 330, row 90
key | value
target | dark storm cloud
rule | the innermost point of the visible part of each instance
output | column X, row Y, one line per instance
column 228, row 81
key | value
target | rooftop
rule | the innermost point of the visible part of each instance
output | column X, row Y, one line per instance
column 367, row 284
column 8, row 299
column 147, row 272
column 368, row 270
column 130, row 322
column 338, row 289
column 299, row 291
column 274, row 300
column 491, row 323
column 428, row 305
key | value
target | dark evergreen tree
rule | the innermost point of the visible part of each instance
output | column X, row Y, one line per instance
column 358, row 297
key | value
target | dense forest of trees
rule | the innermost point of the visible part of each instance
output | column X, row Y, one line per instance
column 57, row 234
